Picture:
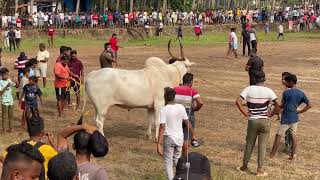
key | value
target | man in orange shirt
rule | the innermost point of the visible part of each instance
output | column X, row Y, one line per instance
column 62, row 79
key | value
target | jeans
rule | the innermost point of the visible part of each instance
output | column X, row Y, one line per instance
column 257, row 128
column 192, row 120
column 12, row 43
column 245, row 43
column 7, row 116
column 171, row 155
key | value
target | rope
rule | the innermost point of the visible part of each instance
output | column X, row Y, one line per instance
column 77, row 85
column 188, row 164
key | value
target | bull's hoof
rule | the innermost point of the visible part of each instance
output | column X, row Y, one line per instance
column 148, row 137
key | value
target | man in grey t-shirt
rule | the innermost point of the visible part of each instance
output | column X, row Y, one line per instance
column 90, row 171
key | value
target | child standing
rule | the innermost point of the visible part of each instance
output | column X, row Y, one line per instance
column 114, row 46
column 197, row 31
column 290, row 25
column 291, row 99
column 179, row 32
column 266, row 28
column 24, row 81
column 30, row 94
column 6, row 85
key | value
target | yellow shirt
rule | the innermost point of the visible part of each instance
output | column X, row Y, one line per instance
column 47, row 152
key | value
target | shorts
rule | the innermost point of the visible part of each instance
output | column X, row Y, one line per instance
column 233, row 46
column 160, row 30
column 62, row 94
column 192, row 120
column 284, row 127
column 41, row 71
column 75, row 86
column 197, row 34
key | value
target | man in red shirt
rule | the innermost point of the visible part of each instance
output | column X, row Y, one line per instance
column 62, row 80
column 186, row 96
column 51, row 34
column 114, row 46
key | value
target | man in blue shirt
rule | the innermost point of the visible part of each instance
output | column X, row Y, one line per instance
column 292, row 98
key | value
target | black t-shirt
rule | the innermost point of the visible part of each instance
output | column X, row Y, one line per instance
column 255, row 63
column 31, row 94
column 11, row 35
column 245, row 36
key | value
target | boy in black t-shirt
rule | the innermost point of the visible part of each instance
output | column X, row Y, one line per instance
column 30, row 93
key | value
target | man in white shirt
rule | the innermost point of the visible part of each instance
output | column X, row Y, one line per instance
column 170, row 138
column 280, row 31
column 233, row 43
column 42, row 58
column 18, row 37
column 257, row 98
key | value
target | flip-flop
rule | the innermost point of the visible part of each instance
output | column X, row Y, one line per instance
column 197, row 143
column 262, row 175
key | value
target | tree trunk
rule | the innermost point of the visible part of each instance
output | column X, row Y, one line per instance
column 105, row 4
column 31, row 7
column 131, row 5
column 16, row 6
column 77, row 6
column 193, row 4
column 164, row 6
column 118, row 4
column 158, row 5
column 273, row 4
column 213, row 4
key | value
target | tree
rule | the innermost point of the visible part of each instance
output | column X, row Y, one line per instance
column 77, row 6
column 131, row 5
column 118, row 4
column 31, row 6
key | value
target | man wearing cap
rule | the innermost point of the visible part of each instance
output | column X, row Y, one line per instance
column 199, row 168
column 258, row 97
column 87, row 140
column 62, row 77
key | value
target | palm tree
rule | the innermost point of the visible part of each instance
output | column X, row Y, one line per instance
column 131, row 5
column 118, row 4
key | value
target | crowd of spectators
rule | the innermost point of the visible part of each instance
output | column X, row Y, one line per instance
column 110, row 19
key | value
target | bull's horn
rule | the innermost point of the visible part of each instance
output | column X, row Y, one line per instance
column 169, row 45
column 181, row 51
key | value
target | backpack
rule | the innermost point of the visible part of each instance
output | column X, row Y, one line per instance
column 37, row 146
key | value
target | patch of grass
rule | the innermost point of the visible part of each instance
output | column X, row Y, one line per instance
column 209, row 38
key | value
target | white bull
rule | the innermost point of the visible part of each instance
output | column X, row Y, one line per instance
column 134, row 88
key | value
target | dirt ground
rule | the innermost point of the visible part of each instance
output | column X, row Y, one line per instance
column 219, row 123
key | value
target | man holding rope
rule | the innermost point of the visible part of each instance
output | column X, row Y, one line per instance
column 62, row 77
column 75, row 66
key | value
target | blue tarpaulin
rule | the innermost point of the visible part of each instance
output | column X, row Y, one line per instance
column 85, row 5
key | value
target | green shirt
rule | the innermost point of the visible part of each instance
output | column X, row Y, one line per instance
column 6, row 97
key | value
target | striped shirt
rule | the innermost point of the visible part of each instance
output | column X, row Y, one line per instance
column 21, row 63
column 185, row 95
column 258, row 99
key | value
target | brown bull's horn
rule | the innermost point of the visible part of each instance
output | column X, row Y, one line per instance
column 181, row 51
column 169, row 45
